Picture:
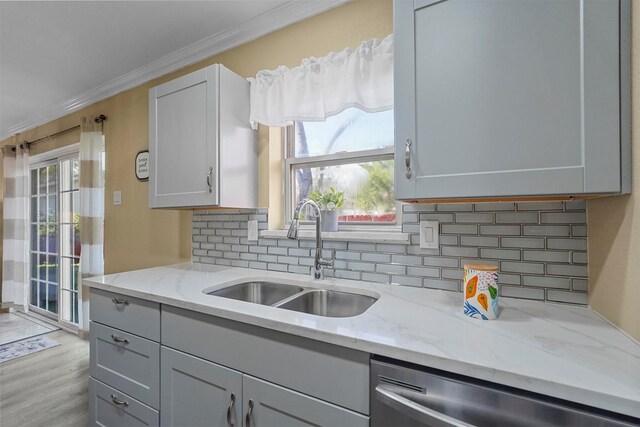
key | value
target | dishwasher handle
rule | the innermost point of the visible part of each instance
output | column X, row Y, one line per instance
column 421, row 413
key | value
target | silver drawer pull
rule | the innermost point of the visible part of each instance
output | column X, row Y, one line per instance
column 407, row 158
column 118, row 402
column 247, row 420
column 209, row 179
column 116, row 338
column 119, row 301
column 231, row 413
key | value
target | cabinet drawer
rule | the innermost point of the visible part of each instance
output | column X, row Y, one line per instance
column 131, row 365
column 103, row 411
column 272, row 405
column 335, row 374
column 129, row 314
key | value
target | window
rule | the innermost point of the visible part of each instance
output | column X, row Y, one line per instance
column 352, row 152
column 55, row 238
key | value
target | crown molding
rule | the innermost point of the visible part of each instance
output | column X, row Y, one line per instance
column 279, row 17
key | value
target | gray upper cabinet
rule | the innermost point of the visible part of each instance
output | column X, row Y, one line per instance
column 201, row 147
column 499, row 98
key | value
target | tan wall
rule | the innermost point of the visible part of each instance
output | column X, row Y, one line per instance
column 614, row 230
column 138, row 237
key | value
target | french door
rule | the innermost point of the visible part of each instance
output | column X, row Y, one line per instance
column 55, row 238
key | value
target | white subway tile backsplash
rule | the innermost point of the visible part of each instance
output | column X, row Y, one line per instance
column 516, row 217
column 522, row 242
column 500, row 254
column 563, row 218
column 547, row 256
column 522, row 292
column 545, row 230
column 476, row 218
column 459, row 229
column 442, row 217
column 500, row 230
column 570, row 297
column 423, row 271
column 546, row 282
column 540, row 247
column 478, row 241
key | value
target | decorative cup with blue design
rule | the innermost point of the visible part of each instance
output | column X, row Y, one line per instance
column 481, row 291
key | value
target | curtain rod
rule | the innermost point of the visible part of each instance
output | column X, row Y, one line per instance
column 99, row 119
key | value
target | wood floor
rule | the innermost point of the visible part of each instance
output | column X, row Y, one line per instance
column 48, row 388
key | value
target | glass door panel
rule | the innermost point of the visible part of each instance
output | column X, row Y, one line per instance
column 69, row 239
column 55, row 239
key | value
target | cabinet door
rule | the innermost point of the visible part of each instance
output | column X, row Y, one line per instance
column 269, row 405
column 507, row 98
column 183, row 140
column 195, row 392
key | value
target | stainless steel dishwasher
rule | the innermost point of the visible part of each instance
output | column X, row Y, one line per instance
column 404, row 394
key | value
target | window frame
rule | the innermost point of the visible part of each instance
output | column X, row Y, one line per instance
column 55, row 156
column 340, row 158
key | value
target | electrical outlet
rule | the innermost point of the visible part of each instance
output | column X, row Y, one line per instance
column 117, row 198
column 429, row 234
column 252, row 231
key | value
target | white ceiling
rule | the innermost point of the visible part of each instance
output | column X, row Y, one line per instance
column 58, row 56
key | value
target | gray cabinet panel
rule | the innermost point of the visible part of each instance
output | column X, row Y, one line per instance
column 508, row 98
column 335, row 374
column 104, row 412
column 272, row 405
column 129, row 314
column 131, row 365
column 198, row 393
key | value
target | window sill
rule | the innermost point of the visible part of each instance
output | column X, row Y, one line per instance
column 350, row 236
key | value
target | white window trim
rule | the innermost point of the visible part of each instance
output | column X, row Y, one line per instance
column 348, row 231
column 56, row 154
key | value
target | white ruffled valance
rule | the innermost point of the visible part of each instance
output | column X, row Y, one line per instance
column 322, row 87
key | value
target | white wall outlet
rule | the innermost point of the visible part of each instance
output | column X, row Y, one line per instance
column 429, row 234
column 117, row 198
column 252, row 231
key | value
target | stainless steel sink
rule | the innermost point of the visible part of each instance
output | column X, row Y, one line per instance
column 330, row 303
column 265, row 293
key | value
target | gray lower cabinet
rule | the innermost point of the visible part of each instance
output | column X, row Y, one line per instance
column 501, row 98
column 127, row 362
column 109, row 407
column 196, row 392
column 204, row 370
column 269, row 405
column 124, row 388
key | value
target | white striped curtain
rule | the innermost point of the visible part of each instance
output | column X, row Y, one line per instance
column 91, row 210
column 15, row 240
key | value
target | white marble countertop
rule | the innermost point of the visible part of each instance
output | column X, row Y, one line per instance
column 557, row 350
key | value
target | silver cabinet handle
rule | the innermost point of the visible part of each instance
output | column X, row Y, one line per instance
column 209, row 179
column 407, row 157
column 118, row 402
column 119, row 301
column 116, row 338
column 231, row 413
column 247, row 420
column 421, row 413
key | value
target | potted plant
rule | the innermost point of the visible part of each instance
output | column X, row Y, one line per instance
column 329, row 202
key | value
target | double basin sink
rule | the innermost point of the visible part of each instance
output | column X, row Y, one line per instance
column 319, row 302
